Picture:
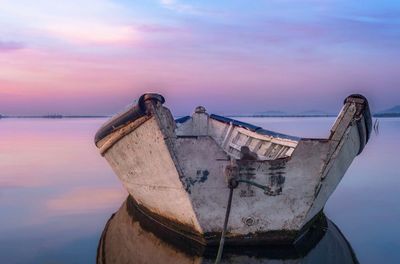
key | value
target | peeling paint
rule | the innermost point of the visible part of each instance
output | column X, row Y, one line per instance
column 200, row 177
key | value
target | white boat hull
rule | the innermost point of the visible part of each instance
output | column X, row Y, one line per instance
column 177, row 174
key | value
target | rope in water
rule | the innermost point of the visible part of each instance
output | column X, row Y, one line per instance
column 222, row 241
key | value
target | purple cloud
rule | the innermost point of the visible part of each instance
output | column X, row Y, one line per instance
column 6, row 46
column 157, row 28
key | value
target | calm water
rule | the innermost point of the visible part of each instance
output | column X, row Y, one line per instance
column 57, row 192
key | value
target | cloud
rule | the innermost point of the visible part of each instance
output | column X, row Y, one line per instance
column 93, row 33
column 7, row 46
column 90, row 21
column 158, row 28
column 168, row 2
column 166, row 44
column 180, row 8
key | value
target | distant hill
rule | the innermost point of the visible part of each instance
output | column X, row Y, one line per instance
column 315, row 113
column 394, row 109
column 309, row 113
column 271, row 113
column 391, row 112
column 56, row 116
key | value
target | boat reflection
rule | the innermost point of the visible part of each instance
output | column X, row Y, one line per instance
column 130, row 237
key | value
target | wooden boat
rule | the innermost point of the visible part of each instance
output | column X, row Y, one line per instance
column 129, row 237
column 179, row 172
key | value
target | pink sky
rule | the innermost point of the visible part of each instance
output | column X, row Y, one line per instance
column 97, row 57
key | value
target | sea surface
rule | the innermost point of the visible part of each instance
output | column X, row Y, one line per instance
column 57, row 194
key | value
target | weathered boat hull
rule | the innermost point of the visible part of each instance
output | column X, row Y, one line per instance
column 177, row 171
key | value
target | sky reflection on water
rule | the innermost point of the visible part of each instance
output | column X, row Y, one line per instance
column 57, row 192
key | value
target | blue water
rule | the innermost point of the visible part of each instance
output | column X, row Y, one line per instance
column 57, row 192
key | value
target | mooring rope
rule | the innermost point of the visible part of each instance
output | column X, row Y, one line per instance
column 232, row 173
column 222, row 241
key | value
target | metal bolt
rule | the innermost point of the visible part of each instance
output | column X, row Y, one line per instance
column 249, row 221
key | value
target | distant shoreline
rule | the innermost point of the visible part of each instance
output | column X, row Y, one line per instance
column 280, row 116
column 387, row 115
column 55, row 117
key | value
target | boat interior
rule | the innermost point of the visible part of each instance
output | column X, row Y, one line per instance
column 237, row 138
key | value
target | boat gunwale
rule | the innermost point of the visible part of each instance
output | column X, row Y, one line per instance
column 121, row 132
column 123, row 118
column 139, row 110
column 141, row 115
